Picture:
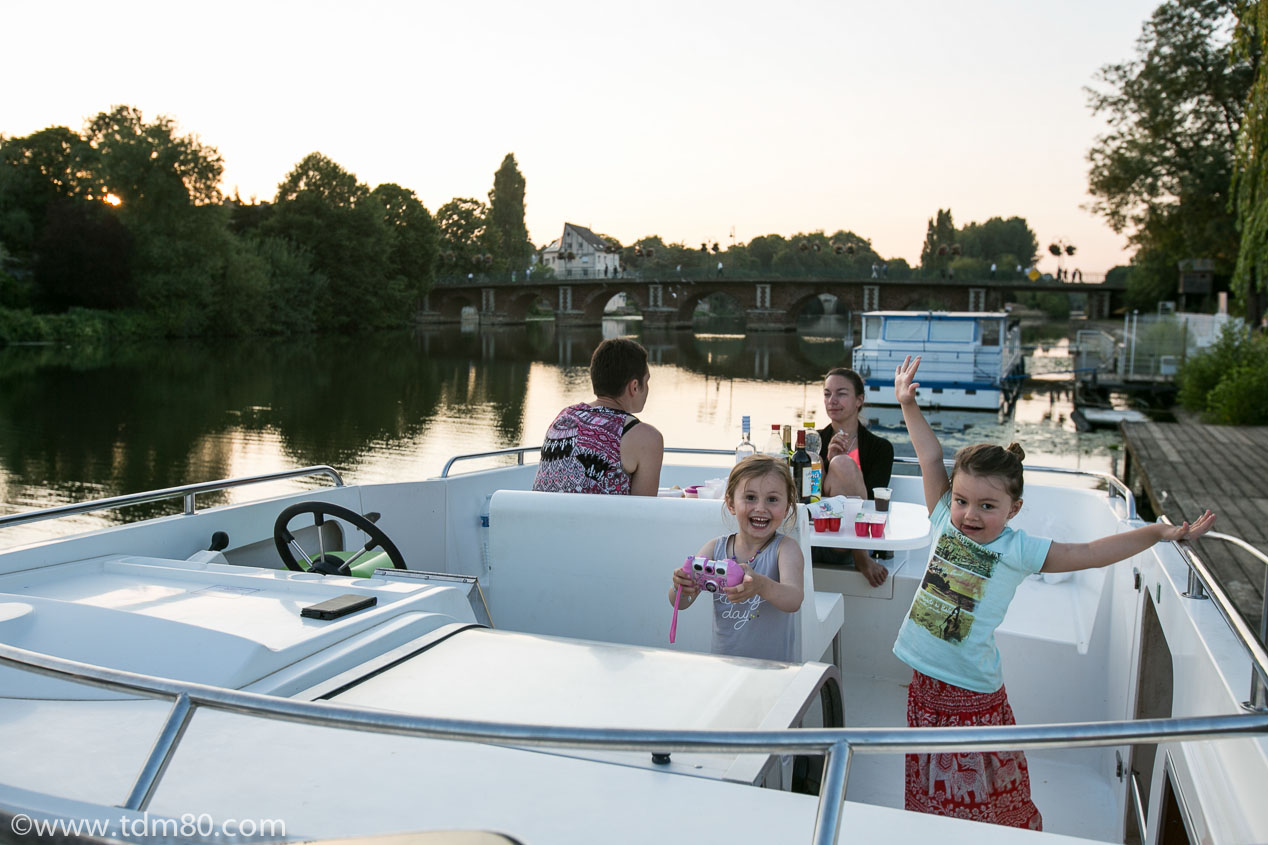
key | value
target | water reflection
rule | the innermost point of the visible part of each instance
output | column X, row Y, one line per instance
column 77, row 424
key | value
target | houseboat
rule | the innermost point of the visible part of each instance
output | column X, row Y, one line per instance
column 969, row 359
column 502, row 673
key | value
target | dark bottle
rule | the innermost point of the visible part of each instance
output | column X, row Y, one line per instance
column 800, row 463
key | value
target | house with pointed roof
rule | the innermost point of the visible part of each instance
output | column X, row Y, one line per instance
column 581, row 254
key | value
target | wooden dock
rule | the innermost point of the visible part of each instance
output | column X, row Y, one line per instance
column 1183, row 468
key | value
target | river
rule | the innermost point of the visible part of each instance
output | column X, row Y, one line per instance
column 85, row 423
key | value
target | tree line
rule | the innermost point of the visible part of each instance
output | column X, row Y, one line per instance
column 127, row 217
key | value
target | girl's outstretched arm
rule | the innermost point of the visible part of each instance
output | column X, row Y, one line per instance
column 925, row 442
column 1071, row 557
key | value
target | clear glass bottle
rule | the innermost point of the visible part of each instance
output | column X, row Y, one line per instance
column 775, row 443
column 746, row 448
column 814, row 446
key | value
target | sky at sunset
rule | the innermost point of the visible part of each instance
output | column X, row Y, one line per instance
column 692, row 121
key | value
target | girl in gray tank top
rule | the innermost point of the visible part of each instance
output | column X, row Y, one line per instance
column 756, row 618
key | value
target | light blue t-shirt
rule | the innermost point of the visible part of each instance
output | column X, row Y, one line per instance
column 949, row 633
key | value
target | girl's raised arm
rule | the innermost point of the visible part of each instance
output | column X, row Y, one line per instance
column 928, row 450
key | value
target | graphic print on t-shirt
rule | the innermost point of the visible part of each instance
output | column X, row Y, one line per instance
column 954, row 583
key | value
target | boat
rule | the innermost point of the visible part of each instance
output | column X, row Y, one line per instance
column 500, row 671
column 969, row 359
column 1088, row 417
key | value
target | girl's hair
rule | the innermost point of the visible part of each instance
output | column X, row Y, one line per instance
column 989, row 460
column 757, row 466
column 845, row 372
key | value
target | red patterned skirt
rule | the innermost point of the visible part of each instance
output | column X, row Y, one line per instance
column 984, row 786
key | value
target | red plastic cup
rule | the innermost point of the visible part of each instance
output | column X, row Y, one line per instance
column 834, row 523
column 876, row 528
column 821, row 523
column 860, row 527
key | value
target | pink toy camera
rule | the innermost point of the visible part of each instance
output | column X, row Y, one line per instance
column 710, row 577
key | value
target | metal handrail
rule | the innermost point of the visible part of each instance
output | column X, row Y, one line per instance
column 837, row 743
column 520, row 451
column 1111, row 481
column 187, row 491
column 1203, row 585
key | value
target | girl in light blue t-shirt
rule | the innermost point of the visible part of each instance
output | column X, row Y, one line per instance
column 948, row 637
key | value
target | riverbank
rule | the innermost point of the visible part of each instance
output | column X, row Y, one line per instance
column 77, row 325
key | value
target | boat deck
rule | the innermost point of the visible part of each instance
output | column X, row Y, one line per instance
column 1060, row 780
column 1185, row 467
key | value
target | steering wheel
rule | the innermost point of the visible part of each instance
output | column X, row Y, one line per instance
column 328, row 563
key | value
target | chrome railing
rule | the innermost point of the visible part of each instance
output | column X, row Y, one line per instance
column 838, row 744
column 519, row 451
column 187, row 492
column 1202, row 584
column 1112, row 482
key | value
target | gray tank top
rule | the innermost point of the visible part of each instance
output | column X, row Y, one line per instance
column 755, row 628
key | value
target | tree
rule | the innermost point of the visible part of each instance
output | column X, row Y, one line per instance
column 83, row 257
column 463, row 224
column 997, row 239
column 939, row 238
column 415, row 240
column 148, row 166
column 44, row 168
column 323, row 209
column 1162, row 171
column 1250, row 178
column 506, row 216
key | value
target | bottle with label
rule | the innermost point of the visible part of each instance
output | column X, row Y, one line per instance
column 746, row 448
column 788, row 442
column 775, row 443
column 800, row 463
column 814, row 446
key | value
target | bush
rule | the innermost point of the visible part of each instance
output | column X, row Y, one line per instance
column 1241, row 397
column 1229, row 380
column 78, row 325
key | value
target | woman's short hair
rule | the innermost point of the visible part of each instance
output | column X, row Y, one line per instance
column 991, row 461
column 847, row 373
column 615, row 363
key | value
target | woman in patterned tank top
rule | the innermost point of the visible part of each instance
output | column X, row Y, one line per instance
column 600, row 446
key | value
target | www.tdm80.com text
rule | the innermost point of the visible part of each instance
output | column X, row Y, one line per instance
column 186, row 826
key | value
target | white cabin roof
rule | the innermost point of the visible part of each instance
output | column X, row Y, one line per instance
column 939, row 315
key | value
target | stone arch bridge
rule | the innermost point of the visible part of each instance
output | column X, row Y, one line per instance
column 767, row 304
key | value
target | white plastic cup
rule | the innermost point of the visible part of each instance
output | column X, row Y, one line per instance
column 882, row 495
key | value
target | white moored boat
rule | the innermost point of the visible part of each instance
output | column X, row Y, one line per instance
column 969, row 359
column 515, row 679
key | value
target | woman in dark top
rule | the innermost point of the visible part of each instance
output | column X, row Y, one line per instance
column 855, row 460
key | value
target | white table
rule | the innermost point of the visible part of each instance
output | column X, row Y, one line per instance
column 907, row 528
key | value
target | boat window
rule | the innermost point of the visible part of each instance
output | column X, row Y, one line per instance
column 990, row 332
column 905, row 330
column 951, row 331
column 871, row 328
